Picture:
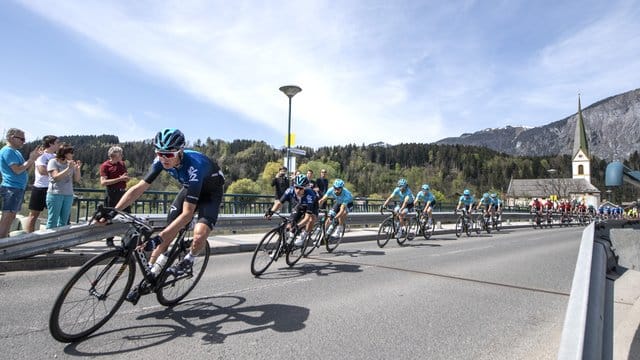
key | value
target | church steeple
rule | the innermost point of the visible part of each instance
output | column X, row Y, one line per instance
column 581, row 159
column 580, row 138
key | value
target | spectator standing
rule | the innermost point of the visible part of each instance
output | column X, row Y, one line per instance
column 312, row 183
column 63, row 171
column 113, row 175
column 14, row 177
column 280, row 182
column 322, row 182
column 38, row 200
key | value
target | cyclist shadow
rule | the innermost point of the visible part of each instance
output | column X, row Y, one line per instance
column 355, row 253
column 414, row 243
column 319, row 268
column 213, row 318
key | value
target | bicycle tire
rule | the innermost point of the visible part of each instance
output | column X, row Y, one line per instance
column 477, row 226
column 294, row 252
column 314, row 241
column 173, row 289
column 265, row 251
column 80, row 299
column 331, row 242
column 408, row 225
column 485, row 224
column 459, row 226
column 385, row 232
column 426, row 229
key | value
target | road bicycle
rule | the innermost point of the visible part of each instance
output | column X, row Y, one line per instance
column 98, row 289
column 536, row 221
column 496, row 220
column 483, row 222
column 277, row 242
column 323, row 232
column 426, row 227
column 464, row 223
column 390, row 227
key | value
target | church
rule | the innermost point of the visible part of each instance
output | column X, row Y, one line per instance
column 578, row 187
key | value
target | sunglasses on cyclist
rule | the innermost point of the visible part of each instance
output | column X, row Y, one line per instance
column 337, row 189
column 298, row 187
column 167, row 154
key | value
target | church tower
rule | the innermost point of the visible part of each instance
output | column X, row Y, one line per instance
column 581, row 159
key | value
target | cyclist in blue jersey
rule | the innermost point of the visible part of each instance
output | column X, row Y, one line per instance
column 402, row 194
column 202, row 189
column 496, row 205
column 305, row 206
column 466, row 200
column 485, row 204
column 425, row 197
column 342, row 205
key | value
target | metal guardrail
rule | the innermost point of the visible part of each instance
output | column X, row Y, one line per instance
column 39, row 242
column 607, row 248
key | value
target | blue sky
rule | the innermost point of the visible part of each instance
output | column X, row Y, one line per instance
column 393, row 71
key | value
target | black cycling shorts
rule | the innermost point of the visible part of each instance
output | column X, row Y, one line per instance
column 208, row 206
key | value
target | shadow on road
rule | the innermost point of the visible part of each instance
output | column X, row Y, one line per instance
column 213, row 319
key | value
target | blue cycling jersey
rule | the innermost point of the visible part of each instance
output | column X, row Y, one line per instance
column 467, row 200
column 345, row 196
column 496, row 202
column 399, row 195
column 486, row 201
column 424, row 197
column 196, row 172
column 308, row 200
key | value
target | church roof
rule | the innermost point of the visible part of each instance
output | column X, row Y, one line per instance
column 528, row 188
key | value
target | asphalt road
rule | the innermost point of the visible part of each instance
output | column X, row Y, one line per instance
column 498, row 296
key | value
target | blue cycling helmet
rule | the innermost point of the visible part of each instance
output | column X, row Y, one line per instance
column 425, row 187
column 338, row 184
column 169, row 139
column 485, row 195
column 494, row 195
column 300, row 180
column 466, row 192
column 402, row 182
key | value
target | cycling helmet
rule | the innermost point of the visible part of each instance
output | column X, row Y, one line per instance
column 466, row 192
column 494, row 195
column 169, row 139
column 425, row 187
column 300, row 180
column 338, row 184
column 402, row 182
column 485, row 195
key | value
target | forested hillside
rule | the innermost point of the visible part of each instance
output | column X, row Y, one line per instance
column 368, row 170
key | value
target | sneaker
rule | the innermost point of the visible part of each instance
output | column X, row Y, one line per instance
column 300, row 239
column 181, row 268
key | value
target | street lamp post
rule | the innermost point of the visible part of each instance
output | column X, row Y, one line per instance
column 290, row 91
column 554, row 186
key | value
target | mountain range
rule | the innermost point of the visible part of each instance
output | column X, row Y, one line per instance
column 612, row 126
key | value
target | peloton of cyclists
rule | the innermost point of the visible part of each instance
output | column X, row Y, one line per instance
column 343, row 204
column 305, row 207
column 403, row 194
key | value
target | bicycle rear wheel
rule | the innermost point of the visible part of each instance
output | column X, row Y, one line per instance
column 332, row 242
column 314, row 239
column 385, row 232
column 174, row 288
column 92, row 296
column 294, row 253
column 266, row 252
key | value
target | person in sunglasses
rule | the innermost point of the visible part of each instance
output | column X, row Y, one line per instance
column 305, row 206
column 404, row 196
column 14, row 177
column 343, row 204
column 202, row 189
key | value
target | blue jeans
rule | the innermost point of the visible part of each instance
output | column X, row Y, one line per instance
column 59, row 210
column 11, row 198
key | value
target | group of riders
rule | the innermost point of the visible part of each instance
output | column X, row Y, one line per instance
column 568, row 211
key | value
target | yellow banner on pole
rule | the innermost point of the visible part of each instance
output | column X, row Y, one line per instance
column 293, row 140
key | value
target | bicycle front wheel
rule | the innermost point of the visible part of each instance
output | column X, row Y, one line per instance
column 92, row 296
column 385, row 232
column 426, row 228
column 315, row 239
column 294, row 253
column 332, row 241
column 175, row 287
column 459, row 226
column 266, row 252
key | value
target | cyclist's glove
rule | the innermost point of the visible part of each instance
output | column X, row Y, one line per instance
column 103, row 213
column 269, row 213
column 381, row 208
column 152, row 243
